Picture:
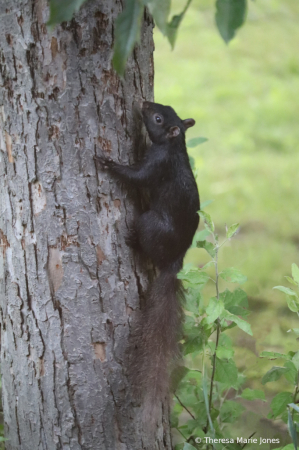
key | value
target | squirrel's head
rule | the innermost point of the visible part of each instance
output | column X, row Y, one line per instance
column 163, row 124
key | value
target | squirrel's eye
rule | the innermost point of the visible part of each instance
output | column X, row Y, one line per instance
column 158, row 118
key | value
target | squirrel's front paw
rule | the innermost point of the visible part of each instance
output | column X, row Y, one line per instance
column 105, row 162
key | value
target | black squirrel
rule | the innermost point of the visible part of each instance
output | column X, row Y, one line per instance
column 163, row 233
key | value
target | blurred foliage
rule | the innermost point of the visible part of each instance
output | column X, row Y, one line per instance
column 210, row 387
column 244, row 100
column 229, row 16
column 284, row 404
column 63, row 10
column 210, row 375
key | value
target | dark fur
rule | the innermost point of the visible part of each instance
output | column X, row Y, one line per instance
column 164, row 233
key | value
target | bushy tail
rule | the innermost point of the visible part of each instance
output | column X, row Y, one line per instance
column 156, row 340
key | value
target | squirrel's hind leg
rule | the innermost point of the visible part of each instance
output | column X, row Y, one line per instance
column 157, row 238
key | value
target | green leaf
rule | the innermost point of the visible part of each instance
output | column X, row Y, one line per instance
column 207, row 220
column 173, row 25
column 63, row 10
column 286, row 447
column 239, row 311
column 286, row 290
column 293, row 303
column 189, row 427
column 274, row 374
column 187, row 267
column 205, row 204
column 230, row 15
column 295, row 330
column 127, row 33
column 235, row 301
column 189, row 323
column 279, row 403
column 160, row 10
column 291, row 280
column 180, row 446
column 292, row 429
column 225, row 326
column 226, row 372
column 232, row 230
column 211, row 346
column 242, row 324
column 200, row 236
column 295, row 273
column 194, row 142
column 194, row 340
column 186, row 389
column 172, row 30
column 274, row 355
column 233, row 275
column 295, row 360
column 253, row 394
column 176, row 411
column 225, row 340
column 193, row 276
column 193, row 377
column 230, row 411
column 214, row 309
column 224, row 352
column 193, row 300
column 208, row 246
column 188, row 447
column 240, row 382
column 209, row 264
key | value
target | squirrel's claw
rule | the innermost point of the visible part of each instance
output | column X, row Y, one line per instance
column 105, row 162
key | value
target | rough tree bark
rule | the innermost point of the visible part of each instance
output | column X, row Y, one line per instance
column 69, row 284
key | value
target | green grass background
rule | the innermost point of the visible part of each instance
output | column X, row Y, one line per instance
column 245, row 100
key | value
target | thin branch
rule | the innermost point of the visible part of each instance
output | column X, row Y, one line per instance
column 252, row 434
column 217, row 336
column 214, row 365
column 181, row 433
column 296, row 390
column 184, row 407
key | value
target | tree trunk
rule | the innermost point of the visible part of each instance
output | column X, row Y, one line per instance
column 70, row 286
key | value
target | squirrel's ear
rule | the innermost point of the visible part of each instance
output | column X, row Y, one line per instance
column 188, row 123
column 173, row 132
